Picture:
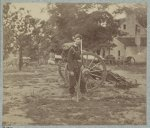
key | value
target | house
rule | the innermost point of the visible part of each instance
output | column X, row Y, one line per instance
column 131, row 26
column 126, row 46
column 132, row 42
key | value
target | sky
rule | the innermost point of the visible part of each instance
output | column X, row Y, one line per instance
column 35, row 9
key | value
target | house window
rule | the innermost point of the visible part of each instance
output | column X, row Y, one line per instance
column 137, row 28
column 118, row 53
column 124, row 26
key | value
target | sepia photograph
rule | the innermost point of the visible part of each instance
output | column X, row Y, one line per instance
column 74, row 64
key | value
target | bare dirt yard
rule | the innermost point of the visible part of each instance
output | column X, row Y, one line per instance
column 37, row 96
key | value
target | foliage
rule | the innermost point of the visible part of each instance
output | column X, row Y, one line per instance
column 96, row 28
column 7, row 31
column 35, row 38
column 18, row 27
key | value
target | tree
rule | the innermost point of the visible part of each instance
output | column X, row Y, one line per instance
column 42, row 35
column 7, row 31
column 97, row 27
column 18, row 27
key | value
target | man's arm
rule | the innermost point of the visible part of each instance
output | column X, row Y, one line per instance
column 70, row 58
column 77, row 55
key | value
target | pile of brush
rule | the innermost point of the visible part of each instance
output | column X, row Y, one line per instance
column 121, row 82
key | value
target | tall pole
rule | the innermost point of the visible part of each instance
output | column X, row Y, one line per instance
column 81, row 53
column 79, row 80
column 81, row 47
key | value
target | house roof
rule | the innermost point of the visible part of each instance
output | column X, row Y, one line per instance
column 130, row 41
column 107, row 45
column 120, row 21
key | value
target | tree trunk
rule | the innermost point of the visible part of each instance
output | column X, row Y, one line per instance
column 20, row 58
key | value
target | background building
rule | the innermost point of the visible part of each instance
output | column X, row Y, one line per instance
column 132, row 42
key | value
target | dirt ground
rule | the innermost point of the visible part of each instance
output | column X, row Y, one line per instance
column 37, row 96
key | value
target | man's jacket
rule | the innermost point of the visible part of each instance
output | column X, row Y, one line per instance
column 73, row 57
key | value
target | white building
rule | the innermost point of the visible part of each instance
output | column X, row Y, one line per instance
column 133, row 42
column 126, row 46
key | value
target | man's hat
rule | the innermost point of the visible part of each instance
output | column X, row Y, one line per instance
column 77, row 36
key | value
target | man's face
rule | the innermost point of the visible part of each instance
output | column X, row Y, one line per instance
column 78, row 41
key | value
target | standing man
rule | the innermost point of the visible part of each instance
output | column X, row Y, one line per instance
column 74, row 67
